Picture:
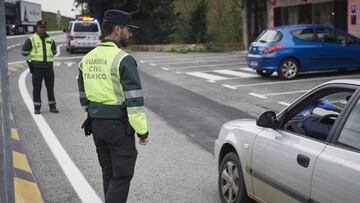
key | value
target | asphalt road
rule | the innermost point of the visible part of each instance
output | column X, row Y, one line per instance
column 188, row 97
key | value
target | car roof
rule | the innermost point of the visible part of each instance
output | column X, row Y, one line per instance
column 292, row 27
column 345, row 81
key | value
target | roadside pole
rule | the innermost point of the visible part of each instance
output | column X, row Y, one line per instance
column 6, row 171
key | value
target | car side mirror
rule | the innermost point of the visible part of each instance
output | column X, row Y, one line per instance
column 267, row 120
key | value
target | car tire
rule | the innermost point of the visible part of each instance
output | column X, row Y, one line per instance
column 264, row 73
column 227, row 185
column 71, row 50
column 288, row 69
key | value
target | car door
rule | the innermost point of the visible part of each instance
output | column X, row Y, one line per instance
column 334, row 53
column 283, row 160
column 306, row 47
column 337, row 171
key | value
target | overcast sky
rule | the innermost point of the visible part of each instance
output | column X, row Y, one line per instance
column 64, row 6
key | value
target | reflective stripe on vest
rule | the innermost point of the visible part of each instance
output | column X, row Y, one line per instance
column 36, row 53
column 101, row 77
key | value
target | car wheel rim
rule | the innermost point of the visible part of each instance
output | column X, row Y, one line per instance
column 230, row 182
column 289, row 69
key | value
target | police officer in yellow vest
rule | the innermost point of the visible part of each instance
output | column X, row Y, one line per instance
column 40, row 50
column 111, row 95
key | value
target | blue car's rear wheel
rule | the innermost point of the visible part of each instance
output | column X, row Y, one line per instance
column 288, row 69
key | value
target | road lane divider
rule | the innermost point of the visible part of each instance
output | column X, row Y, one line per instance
column 26, row 35
column 81, row 186
column 265, row 96
column 284, row 103
column 296, row 80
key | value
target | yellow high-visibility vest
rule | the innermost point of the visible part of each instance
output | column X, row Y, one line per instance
column 102, row 84
column 36, row 53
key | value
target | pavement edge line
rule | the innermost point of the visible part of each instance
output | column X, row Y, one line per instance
column 79, row 183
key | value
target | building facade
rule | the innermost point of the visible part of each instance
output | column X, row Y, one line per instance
column 262, row 14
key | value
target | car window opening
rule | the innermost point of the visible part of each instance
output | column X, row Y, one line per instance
column 317, row 119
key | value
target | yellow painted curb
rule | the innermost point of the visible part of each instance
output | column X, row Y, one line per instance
column 26, row 192
column 20, row 162
column 14, row 134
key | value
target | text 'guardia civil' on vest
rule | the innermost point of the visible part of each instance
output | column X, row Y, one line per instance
column 96, row 61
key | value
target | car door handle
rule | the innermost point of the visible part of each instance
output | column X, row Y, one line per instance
column 303, row 160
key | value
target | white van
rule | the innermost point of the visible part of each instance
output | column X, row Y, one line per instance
column 83, row 34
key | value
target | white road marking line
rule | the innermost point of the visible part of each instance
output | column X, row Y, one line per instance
column 206, row 76
column 247, row 70
column 26, row 35
column 178, row 72
column 258, row 95
column 197, row 60
column 141, row 61
column 211, row 81
column 229, row 86
column 208, row 65
column 16, row 62
column 265, row 96
column 235, row 73
column 190, row 58
column 58, row 50
column 294, row 81
column 82, row 187
column 285, row 93
column 57, row 63
column 284, row 103
column 164, row 68
column 69, row 64
column 72, row 57
column 18, row 44
column 152, row 64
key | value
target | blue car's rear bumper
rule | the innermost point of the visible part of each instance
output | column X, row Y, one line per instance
column 259, row 62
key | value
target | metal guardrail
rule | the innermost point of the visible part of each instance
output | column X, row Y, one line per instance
column 6, row 169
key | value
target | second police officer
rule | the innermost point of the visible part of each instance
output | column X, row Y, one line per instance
column 111, row 95
column 40, row 50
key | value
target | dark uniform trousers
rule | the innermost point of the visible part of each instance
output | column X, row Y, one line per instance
column 38, row 75
column 115, row 146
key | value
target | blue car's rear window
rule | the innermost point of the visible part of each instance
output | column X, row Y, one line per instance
column 269, row 36
column 306, row 34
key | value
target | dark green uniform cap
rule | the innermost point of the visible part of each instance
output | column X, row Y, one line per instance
column 118, row 17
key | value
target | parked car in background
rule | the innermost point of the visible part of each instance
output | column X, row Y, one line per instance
column 83, row 33
column 309, row 152
column 290, row 50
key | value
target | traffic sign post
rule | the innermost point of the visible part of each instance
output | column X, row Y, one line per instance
column 6, row 170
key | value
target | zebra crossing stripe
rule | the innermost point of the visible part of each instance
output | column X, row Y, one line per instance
column 235, row 73
column 206, row 76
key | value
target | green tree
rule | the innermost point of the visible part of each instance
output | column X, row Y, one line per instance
column 198, row 24
column 156, row 18
column 157, row 21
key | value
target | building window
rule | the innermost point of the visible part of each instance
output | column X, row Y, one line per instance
column 322, row 13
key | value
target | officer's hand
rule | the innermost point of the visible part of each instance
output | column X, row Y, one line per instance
column 143, row 141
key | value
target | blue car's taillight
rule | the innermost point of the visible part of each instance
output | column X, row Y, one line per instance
column 273, row 48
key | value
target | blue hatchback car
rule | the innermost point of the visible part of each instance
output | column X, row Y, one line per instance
column 300, row 48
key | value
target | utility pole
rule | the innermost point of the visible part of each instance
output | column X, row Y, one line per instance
column 6, row 164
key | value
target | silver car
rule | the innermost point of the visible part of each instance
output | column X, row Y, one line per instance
column 309, row 152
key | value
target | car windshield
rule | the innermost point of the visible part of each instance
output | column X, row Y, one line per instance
column 86, row 27
column 269, row 36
